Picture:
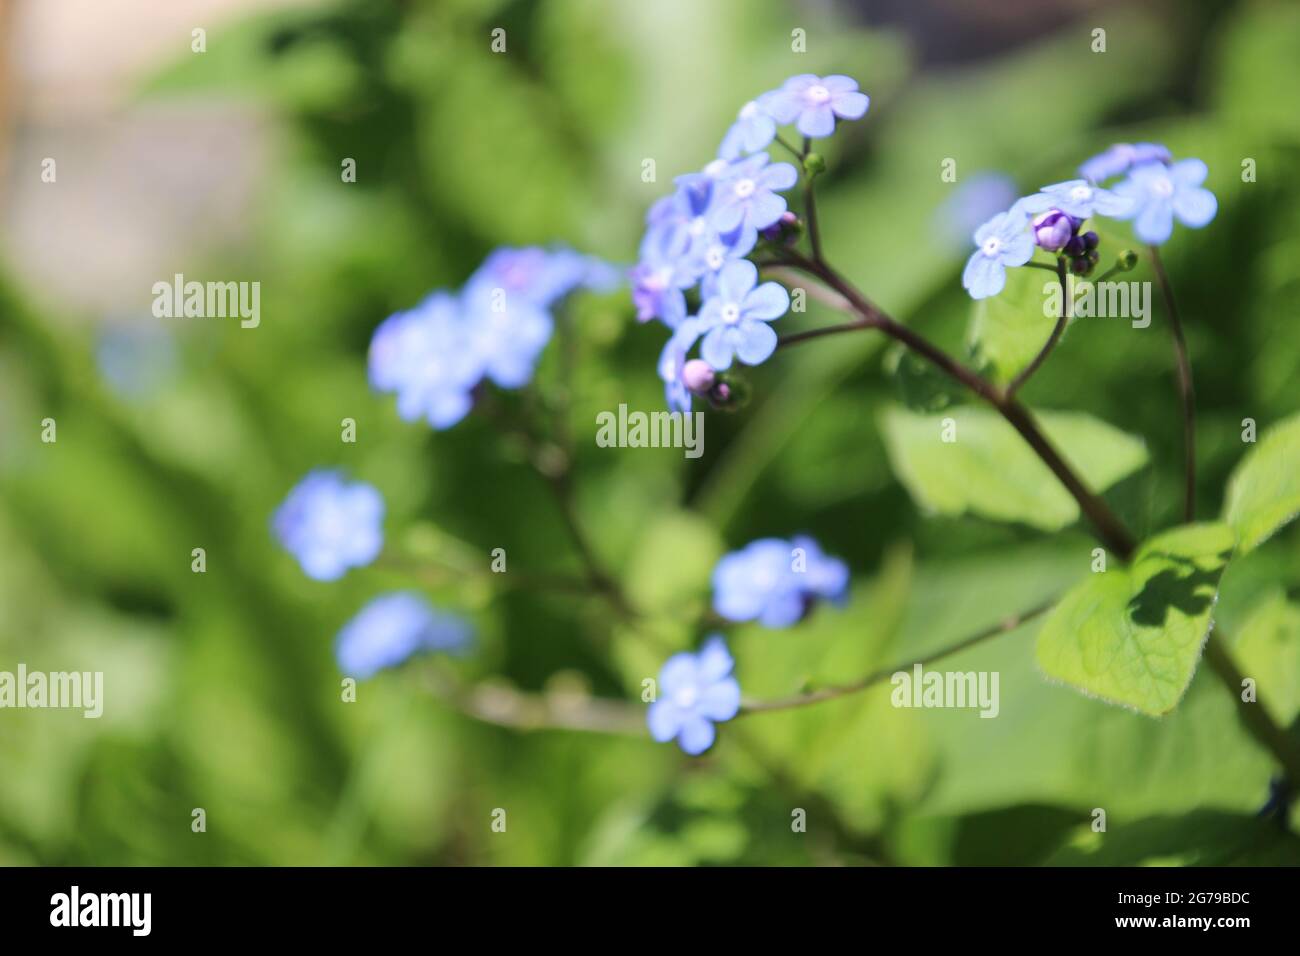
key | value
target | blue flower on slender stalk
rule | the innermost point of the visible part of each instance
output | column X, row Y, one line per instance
column 1005, row 240
column 393, row 627
column 1077, row 198
column 1120, row 158
column 753, row 130
column 695, row 691
column 747, row 194
column 1161, row 193
column 715, row 251
column 425, row 356
column 672, row 360
column 330, row 525
column 735, row 319
column 814, row 103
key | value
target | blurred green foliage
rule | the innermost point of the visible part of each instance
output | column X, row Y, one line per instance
column 222, row 688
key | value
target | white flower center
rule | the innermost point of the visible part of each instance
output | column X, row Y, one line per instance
column 818, row 94
column 749, row 110
column 744, row 188
column 1162, row 186
column 697, row 226
column 658, row 280
column 992, row 246
column 715, row 257
column 1081, row 193
column 731, row 313
column 686, row 698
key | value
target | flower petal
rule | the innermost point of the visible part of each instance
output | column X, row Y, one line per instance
column 817, row 121
column 664, row 719
column 756, row 341
column 769, row 301
column 717, row 349
column 736, row 279
column 1155, row 221
column 1189, row 172
column 720, row 701
column 1195, row 206
column 850, row 105
column 983, row 276
column 696, row 735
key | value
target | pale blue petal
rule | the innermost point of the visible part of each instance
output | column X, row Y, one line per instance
column 696, row 735
column 755, row 342
column 716, row 349
column 851, row 105
column 1189, row 172
column 769, row 301
column 983, row 276
column 1155, row 222
column 665, row 720
column 1195, row 206
column 720, row 701
column 817, row 121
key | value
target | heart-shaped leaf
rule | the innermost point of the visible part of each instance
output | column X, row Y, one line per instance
column 1133, row 635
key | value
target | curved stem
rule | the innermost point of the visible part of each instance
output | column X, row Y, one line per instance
column 1108, row 527
column 1057, row 331
column 1185, row 392
column 875, row 677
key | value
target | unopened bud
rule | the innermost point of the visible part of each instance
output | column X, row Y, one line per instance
column 698, row 376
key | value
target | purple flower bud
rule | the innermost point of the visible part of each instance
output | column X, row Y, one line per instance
column 722, row 393
column 1091, row 239
column 1053, row 229
column 1075, row 247
column 698, row 376
column 782, row 228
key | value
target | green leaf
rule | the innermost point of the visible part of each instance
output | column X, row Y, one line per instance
column 1007, row 330
column 1264, row 490
column 1133, row 635
column 988, row 469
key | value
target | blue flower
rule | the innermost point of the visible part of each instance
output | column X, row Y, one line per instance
column 753, row 130
column 1077, row 198
column 391, row 628
column 658, row 283
column 506, row 333
column 757, row 583
column 818, row 574
column 776, row 582
column 1120, row 158
column 1005, row 240
column 734, row 320
column 330, row 525
column 538, row 276
column 813, row 103
column 671, row 362
column 1159, row 193
column 746, row 193
column 425, row 356
column 695, row 692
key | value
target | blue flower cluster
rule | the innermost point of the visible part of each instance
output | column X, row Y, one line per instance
column 432, row 356
column 699, row 236
column 392, row 628
column 1156, row 190
column 771, row 581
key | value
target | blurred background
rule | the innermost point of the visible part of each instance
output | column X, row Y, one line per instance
column 221, row 688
